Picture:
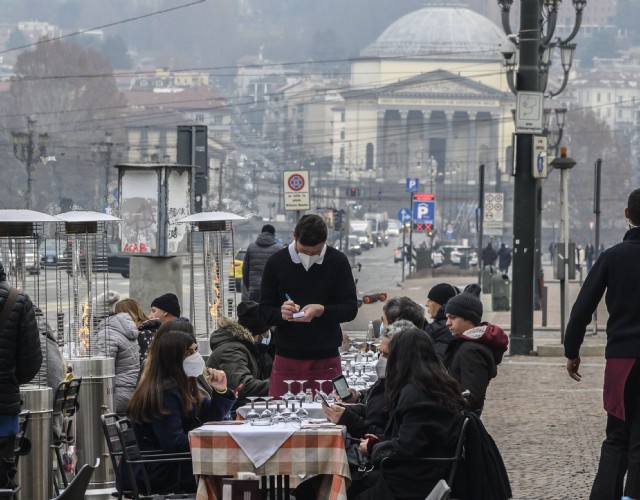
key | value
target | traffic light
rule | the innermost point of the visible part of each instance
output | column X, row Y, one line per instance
column 353, row 191
column 337, row 219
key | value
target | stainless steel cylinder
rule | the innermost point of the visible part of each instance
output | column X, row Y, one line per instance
column 34, row 469
column 96, row 397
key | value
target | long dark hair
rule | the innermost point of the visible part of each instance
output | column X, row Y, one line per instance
column 162, row 370
column 413, row 359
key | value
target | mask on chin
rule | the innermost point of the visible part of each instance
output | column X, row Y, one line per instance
column 308, row 260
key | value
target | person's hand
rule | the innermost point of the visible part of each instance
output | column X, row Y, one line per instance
column 288, row 308
column 217, row 379
column 355, row 396
column 310, row 311
column 572, row 368
column 333, row 412
column 363, row 446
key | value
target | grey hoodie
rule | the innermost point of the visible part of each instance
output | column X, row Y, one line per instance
column 117, row 337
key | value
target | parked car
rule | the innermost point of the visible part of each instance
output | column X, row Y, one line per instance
column 454, row 253
column 398, row 254
column 118, row 262
column 437, row 259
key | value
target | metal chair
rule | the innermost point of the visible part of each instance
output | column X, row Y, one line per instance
column 452, row 462
column 132, row 455
column 66, row 405
column 22, row 447
column 78, row 485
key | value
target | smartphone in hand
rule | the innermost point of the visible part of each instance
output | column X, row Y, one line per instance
column 342, row 388
column 324, row 400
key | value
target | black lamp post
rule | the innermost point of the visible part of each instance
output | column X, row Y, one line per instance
column 103, row 151
column 24, row 149
column 528, row 57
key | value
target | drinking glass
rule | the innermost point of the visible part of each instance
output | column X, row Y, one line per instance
column 286, row 412
column 320, row 392
column 266, row 413
column 288, row 394
column 301, row 395
column 293, row 417
column 301, row 412
column 252, row 414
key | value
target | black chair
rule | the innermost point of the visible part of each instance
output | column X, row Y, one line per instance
column 22, row 447
column 275, row 487
column 451, row 462
column 66, row 405
column 132, row 455
column 79, row 484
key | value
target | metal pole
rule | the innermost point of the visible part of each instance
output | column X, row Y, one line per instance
column 411, row 231
column 404, row 246
column 564, row 230
column 31, row 126
column 480, row 223
column 525, row 190
column 596, row 211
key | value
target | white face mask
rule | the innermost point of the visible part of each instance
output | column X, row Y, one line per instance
column 193, row 365
column 381, row 367
column 308, row 260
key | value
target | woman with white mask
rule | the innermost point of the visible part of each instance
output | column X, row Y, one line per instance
column 167, row 404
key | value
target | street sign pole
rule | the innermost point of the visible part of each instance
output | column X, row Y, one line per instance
column 411, row 233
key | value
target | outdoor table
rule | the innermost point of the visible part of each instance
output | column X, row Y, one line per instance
column 313, row 409
column 308, row 451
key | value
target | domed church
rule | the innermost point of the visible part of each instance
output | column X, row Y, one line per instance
column 428, row 99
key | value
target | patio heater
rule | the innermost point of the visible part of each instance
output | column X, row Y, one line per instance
column 22, row 232
column 212, row 287
column 81, row 278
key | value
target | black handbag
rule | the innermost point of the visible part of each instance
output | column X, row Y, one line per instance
column 359, row 463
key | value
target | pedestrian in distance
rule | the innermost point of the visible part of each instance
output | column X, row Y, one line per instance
column 589, row 255
column 504, row 258
column 489, row 255
column 615, row 275
column 307, row 291
column 20, row 360
column 255, row 259
column 473, row 356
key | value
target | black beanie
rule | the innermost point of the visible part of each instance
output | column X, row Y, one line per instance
column 466, row 306
column 167, row 302
column 442, row 292
column 249, row 318
column 268, row 228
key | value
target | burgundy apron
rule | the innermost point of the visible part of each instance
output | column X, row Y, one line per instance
column 310, row 370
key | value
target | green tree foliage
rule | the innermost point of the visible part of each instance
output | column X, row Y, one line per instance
column 72, row 94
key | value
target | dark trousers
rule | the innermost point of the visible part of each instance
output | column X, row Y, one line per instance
column 7, row 463
column 621, row 449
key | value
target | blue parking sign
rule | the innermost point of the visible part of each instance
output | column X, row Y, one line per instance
column 412, row 185
column 423, row 212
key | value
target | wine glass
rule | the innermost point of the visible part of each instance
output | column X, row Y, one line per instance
column 277, row 417
column 286, row 412
column 293, row 417
column 252, row 414
column 301, row 395
column 301, row 412
column 266, row 413
column 319, row 392
column 288, row 394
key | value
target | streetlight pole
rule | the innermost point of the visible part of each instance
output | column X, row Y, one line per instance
column 534, row 45
column 24, row 149
column 103, row 151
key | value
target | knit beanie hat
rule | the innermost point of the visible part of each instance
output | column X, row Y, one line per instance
column 249, row 318
column 167, row 302
column 268, row 228
column 466, row 306
column 103, row 305
column 442, row 292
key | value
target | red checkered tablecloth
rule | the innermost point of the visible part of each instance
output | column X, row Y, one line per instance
column 307, row 452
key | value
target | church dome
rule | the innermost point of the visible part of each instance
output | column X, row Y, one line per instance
column 450, row 31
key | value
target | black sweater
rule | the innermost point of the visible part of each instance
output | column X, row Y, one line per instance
column 617, row 271
column 330, row 284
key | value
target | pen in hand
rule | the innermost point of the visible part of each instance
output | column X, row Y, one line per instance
column 286, row 296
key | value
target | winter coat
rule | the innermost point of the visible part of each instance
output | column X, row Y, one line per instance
column 169, row 434
column 20, row 354
column 473, row 359
column 117, row 337
column 504, row 258
column 234, row 351
column 146, row 332
column 439, row 332
column 419, row 427
column 256, row 257
column 367, row 418
column 489, row 256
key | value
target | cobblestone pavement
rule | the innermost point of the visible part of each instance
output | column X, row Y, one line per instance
column 548, row 427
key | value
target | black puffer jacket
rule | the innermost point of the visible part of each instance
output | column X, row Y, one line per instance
column 439, row 332
column 367, row 418
column 20, row 354
column 256, row 257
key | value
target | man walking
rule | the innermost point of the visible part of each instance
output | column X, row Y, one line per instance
column 504, row 259
column 255, row 259
column 489, row 255
column 20, row 360
column 307, row 291
column 617, row 270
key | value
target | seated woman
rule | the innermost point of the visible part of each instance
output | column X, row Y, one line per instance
column 167, row 404
column 425, row 417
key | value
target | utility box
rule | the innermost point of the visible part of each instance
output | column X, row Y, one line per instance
column 487, row 274
column 558, row 261
column 423, row 258
column 500, row 292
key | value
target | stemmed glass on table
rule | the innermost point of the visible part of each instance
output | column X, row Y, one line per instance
column 288, row 395
column 301, row 395
column 320, row 392
column 252, row 414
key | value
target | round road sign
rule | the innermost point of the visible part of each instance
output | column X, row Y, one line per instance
column 296, row 182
